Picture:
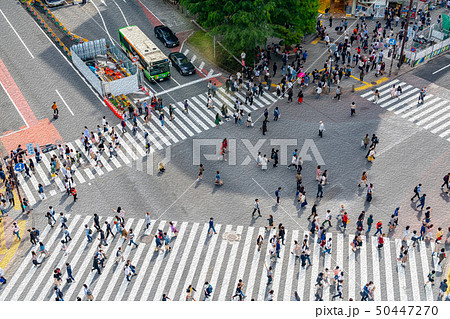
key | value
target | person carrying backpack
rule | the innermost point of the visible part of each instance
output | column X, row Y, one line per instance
column 208, row 289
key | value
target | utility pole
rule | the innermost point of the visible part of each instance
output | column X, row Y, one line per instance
column 402, row 56
column 393, row 55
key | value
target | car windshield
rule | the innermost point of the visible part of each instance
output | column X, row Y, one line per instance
column 183, row 60
column 159, row 68
column 166, row 33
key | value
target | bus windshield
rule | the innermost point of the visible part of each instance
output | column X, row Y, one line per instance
column 159, row 68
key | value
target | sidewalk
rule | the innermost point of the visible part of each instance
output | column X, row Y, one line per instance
column 317, row 54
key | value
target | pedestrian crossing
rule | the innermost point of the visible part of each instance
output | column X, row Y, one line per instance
column 133, row 147
column 222, row 259
column 433, row 115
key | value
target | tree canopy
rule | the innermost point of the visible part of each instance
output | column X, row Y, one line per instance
column 244, row 24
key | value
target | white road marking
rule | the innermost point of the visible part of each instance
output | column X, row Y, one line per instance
column 443, row 68
column 201, row 65
column 17, row 274
column 121, row 12
column 254, row 267
column 193, row 58
column 64, row 102
column 187, row 84
column 174, row 254
column 219, row 261
column 146, row 262
column 184, row 258
column 388, row 267
column 376, row 268
column 290, row 268
column 226, row 277
column 32, row 56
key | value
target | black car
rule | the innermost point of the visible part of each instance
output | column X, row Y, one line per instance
column 181, row 63
column 166, row 35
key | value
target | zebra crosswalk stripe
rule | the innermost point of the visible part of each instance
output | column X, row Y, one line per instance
column 302, row 279
column 351, row 269
column 154, row 272
column 388, row 265
column 125, row 282
column 86, row 264
column 119, row 272
column 226, row 278
column 184, row 259
column 17, row 275
column 222, row 265
column 219, row 262
column 50, row 259
column 62, row 259
column 146, row 262
column 413, row 269
column 376, row 267
column 414, row 104
column 426, row 111
column 365, row 95
column 432, row 115
column 290, row 270
column 204, row 269
column 405, row 101
column 173, row 254
column 254, row 267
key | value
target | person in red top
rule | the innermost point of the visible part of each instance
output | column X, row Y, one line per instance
column 379, row 228
column 345, row 221
column 223, row 149
column 380, row 241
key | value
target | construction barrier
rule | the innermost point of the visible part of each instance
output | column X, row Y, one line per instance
column 113, row 108
column 52, row 17
column 47, row 29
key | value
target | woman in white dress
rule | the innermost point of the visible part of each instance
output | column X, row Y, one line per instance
column 264, row 162
column 258, row 159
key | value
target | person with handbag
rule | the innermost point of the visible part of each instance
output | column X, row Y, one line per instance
column 88, row 293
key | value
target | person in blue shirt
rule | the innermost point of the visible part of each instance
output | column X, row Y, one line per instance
column 211, row 226
column 69, row 272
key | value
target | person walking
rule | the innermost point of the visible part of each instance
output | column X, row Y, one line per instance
column 319, row 190
column 109, row 230
column 119, row 255
column 88, row 233
column 131, row 238
column 321, row 129
column 417, row 192
column 422, row 201
column 300, row 97
column 269, row 274
column 256, row 208
column 207, row 289
column 352, row 109
column 278, row 195
column 34, row 259
column 364, row 179
column 67, row 237
column 2, row 277
column 239, row 293
column 70, row 277
column 88, row 293
column 446, row 179
column 443, row 286
column 41, row 191
column 211, row 226
column 16, row 230
column 379, row 228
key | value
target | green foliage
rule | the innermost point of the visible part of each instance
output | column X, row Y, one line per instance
column 245, row 24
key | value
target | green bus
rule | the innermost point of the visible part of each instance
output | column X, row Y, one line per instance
column 155, row 64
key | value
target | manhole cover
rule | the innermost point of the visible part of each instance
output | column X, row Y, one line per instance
column 146, row 239
column 231, row 236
